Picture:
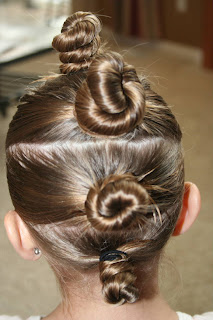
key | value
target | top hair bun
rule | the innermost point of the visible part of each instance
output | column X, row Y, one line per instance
column 116, row 202
column 111, row 101
column 78, row 42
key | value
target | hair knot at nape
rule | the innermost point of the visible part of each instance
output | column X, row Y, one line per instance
column 118, row 282
column 111, row 100
column 78, row 42
column 116, row 202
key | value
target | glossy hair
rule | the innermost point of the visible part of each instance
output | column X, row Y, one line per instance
column 78, row 42
column 94, row 163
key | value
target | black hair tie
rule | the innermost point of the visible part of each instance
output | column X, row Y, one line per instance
column 111, row 255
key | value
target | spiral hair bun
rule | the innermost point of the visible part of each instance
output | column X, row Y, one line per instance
column 78, row 42
column 111, row 101
column 116, row 202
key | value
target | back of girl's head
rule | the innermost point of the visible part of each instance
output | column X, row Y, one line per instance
column 94, row 163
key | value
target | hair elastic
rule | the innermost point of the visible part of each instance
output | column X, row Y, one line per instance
column 111, row 255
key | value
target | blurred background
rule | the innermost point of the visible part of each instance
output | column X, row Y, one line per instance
column 171, row 43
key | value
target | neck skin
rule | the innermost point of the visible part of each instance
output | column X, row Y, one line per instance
column 86, row 302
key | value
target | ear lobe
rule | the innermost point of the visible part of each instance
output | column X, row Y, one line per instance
column 19, row 236
column 190, row 209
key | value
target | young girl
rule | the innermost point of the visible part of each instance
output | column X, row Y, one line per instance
column 96, row 175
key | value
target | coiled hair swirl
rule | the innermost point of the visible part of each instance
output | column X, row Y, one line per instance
column 117, row 202
column 78, row 42
column 111, row 101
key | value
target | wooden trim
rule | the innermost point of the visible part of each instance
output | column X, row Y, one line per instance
column 134, row 29
column 161, row 25
column 208, row 34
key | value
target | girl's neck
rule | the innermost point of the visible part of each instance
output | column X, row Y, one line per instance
column 82, row 308
column 85, row 302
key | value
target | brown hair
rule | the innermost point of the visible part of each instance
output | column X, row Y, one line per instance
column 78, row 42
column 94, row 163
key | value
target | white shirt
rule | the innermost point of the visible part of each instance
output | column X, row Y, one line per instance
column 184, row 316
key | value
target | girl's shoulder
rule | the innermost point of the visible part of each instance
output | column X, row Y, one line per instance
column 4, row 317
column 204, row 316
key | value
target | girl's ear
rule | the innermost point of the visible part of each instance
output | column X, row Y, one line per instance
column 19, row 236
column 190, row 209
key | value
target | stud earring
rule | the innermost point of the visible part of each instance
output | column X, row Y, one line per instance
column 37, row 251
